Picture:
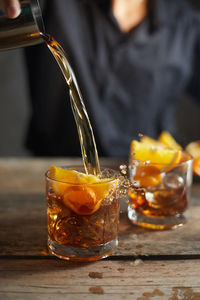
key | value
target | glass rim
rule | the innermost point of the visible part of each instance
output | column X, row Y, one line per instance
column 82, row 183
column 174, row 165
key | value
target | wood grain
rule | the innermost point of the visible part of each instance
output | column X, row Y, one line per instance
column 147, row 265
column 134, row 279
column 23, row 231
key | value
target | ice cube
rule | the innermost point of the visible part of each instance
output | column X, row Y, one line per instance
column 173, row 181
column 149, row 196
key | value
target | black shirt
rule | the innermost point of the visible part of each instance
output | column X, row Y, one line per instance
column 131, row 83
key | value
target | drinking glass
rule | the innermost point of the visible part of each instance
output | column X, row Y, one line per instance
column 83, row 220
column 159, row 195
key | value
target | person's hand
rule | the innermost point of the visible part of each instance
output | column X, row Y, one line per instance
column 11, row 8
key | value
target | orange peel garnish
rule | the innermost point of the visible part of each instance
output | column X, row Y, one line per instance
column 163, row 157
column 196, row 166
column 193, row 149
column 168, row 140
column 80, row 192
column 147, row 175
column 150, row 141
column 153, row 160
column 81, row 199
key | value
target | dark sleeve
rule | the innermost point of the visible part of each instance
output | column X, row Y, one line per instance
column 194, row 83
column 43, row 4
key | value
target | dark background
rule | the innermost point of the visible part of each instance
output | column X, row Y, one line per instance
column 14, row 106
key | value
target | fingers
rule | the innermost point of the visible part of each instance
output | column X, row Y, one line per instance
column 11, row 8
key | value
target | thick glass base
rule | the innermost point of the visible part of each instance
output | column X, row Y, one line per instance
column 82, row 254
column 158, row 223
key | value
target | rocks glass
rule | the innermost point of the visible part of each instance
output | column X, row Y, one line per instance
column 159, row 196
column 83, row 217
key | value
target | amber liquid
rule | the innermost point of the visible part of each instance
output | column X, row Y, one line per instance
column 158, row 202
column 66, row 227
column 70, row 229
column 22, row 40
column 86, row 136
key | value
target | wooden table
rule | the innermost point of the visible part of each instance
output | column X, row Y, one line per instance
column 147, row 265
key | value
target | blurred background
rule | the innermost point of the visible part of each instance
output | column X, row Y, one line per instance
column 14, row 106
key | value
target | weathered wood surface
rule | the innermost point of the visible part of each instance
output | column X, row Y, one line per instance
column 23, row 231
column 136, row 280
column 147, row 265
column 23, row 217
